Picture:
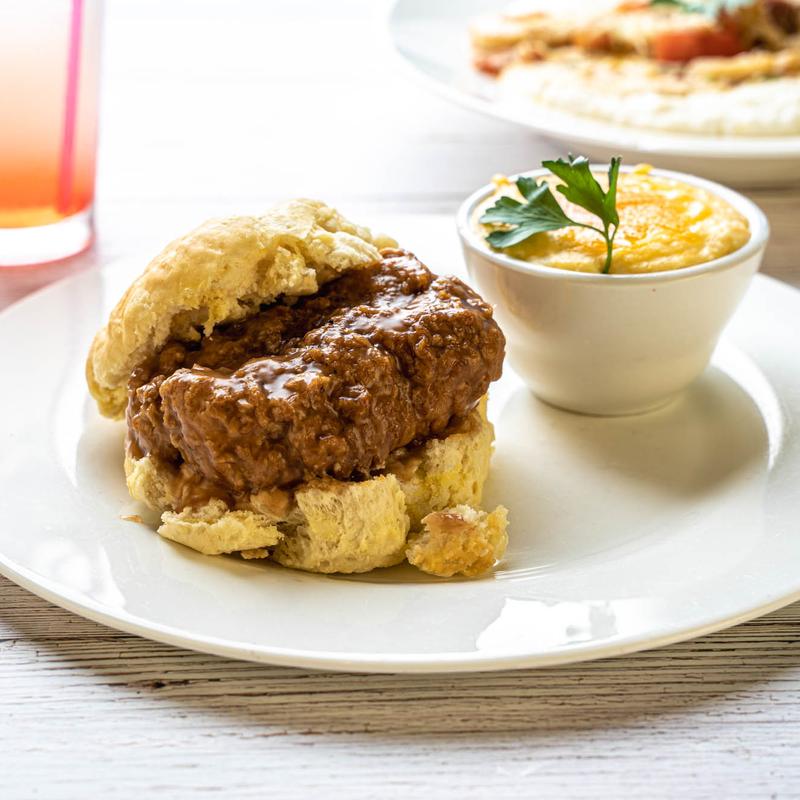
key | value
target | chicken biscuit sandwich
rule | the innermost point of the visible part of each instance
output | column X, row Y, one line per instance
column 298, row 389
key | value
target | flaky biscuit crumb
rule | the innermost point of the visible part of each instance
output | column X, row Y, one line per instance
column 255, row 553
column 459, row 541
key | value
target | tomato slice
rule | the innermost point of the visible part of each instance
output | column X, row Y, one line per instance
column 688, row 44
column 493, row 63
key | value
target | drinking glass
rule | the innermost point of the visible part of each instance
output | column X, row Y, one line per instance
column 49, row 65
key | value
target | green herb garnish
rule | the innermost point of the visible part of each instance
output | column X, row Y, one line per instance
column 711, row 8
column 542, row 212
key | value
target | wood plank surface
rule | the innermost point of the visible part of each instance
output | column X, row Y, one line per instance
column 82, row 706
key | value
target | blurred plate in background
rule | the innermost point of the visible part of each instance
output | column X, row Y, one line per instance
column 431, row 39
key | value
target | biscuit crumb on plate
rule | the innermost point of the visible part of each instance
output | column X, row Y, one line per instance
column 256, row 552
column 459, row 541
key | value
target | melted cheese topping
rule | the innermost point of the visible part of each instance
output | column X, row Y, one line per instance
column 664, row 225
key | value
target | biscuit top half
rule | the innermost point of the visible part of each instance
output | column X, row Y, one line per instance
column 222, row 271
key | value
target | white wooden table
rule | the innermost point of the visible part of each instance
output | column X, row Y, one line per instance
column 214, row 107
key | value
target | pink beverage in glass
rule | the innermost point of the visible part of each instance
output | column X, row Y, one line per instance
column 49, row 67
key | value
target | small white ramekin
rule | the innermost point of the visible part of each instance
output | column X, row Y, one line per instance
column 612, row 344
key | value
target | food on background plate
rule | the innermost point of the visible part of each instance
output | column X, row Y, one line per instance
column 636, row 222
column 298, row 389
column 725, row 67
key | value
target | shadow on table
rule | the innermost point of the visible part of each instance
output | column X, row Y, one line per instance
column 708, row 674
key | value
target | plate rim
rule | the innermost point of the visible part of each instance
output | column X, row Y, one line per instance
column 715, row 148
column 334, row 661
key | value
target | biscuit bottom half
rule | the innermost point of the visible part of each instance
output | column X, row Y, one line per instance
column 422, row 508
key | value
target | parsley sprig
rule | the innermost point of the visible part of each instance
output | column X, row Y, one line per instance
column 542, row 212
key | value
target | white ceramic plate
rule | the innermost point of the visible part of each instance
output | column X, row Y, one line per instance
column 626, row 533
column 430, row 37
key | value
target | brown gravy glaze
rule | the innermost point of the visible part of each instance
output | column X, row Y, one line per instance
column 327, row 385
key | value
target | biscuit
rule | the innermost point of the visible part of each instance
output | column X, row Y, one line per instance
column 224, row 271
